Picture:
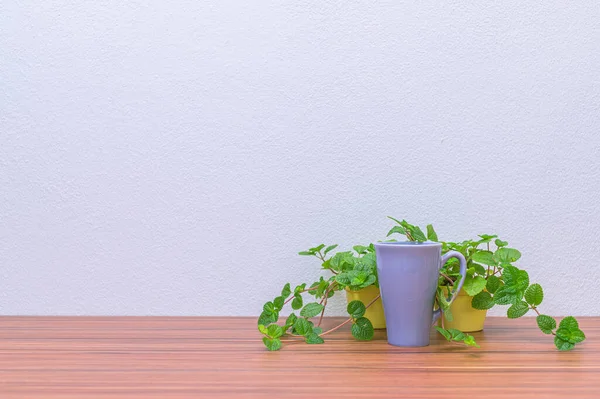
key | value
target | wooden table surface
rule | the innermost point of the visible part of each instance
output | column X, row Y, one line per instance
column 196, row 357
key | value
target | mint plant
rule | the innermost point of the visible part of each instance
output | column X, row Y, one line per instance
column 354, row 270
column 492, row 280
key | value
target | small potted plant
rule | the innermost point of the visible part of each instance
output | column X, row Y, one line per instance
column 356, row 273
column 348, row 271
column 492, row 279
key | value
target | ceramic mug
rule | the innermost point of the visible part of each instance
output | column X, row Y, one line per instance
column 408, row 279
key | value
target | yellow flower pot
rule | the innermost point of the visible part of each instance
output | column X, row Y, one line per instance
column 375, row 312
column 465, row 318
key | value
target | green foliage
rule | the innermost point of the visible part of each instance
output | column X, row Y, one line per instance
column 431, row 234
column 517, row 310
column 505, row 285
column 499, row 243
column 412, row 232
column 355, row 270
column 482, row 301
column 493, row 283
column 297, row 302
column 356, row 309
column 455, row 335
column 546, row 323
column 534, row 295
column 443, row 302
column 272, row 344
column 311, row 309
column 362, row 329
column 303, row 327
column 286, row 291
column 568, row 334
column 474, row 285
column 485, row 257
column 314, row 338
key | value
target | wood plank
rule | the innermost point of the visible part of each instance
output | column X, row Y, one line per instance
column 219, row 357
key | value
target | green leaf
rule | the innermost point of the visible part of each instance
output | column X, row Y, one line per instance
column 360, row 249
column 480, row 270
column 507, row 255
column 330, row 248
column 343, row 279
column 369, row 281
column 356, row 309
column 305, row 253
column 278, row 303
column 262, row 329
column 486, row 238
column 517, row 310
column 303, row 327
column 418, row 234
column 562, row 345
column 482, row 301
column 534, row 294
column 297, row 302
column 275, row 331
column 267, row 318
column 505, row 297
column 448, row 314
column 317, row 248
column 323, row 285
column 431, row 234
column 456, row 335
column 396, row 229
column 342, row 261
column 546, row 323
column 515, row 280
column 289, row 322
column 469, row 340
column 313, row 338
column 577, row 336
column 493, row 283
column 358, row 277
column 499, row 243
column 286, row 291
column 299, row 288
column 474, row 285
column 272, row 344
column 569, row 323
column 444, row 333
column 311, row 309
column 269, row 307
column 317, row 330
column 362, row 329
column 485, row 257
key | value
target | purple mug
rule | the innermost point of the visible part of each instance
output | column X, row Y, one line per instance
column 408, row 279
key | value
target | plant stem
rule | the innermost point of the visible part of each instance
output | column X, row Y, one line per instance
column 324, row 301
column 326, row 294
column 301, row 292
column 447, row 278
column 349, row 319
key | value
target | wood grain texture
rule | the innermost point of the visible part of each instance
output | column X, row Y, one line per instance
column 196, row 357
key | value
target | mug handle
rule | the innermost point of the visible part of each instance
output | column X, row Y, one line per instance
column 463, row 272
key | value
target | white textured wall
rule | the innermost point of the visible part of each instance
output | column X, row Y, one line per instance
column 172, row 158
